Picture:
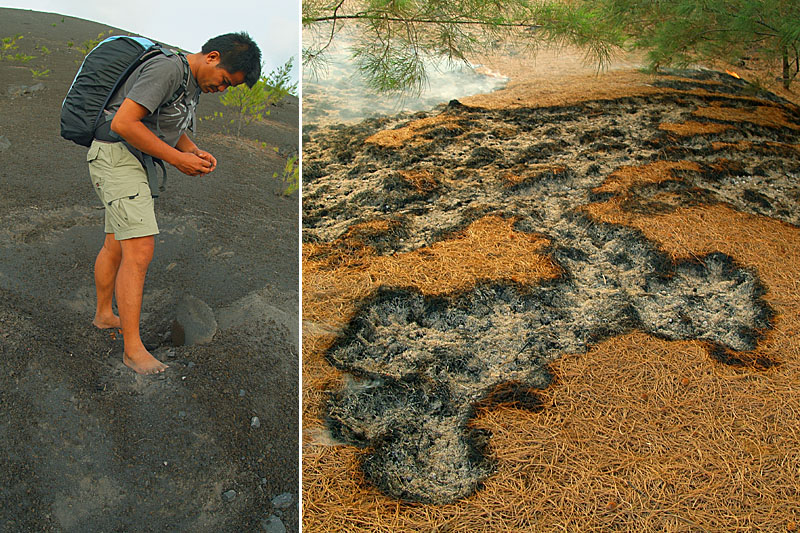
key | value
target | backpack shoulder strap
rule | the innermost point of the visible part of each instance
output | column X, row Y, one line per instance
column 181, row 92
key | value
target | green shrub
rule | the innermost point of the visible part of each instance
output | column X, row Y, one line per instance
column 22, row 58
column 7, row 44
column 279, row 81
column 250, row 103
column 38, row 74
column 291, row 176
column 90, row 44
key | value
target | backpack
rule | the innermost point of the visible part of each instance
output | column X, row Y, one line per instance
column 102, row 72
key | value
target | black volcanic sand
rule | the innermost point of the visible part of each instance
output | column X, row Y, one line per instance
column 87, row 444
column 421, row 364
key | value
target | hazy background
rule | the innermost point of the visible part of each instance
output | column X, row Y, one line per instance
column 337, row 93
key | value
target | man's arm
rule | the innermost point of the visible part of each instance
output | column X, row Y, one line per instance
column 127, row 123
column 185, row 144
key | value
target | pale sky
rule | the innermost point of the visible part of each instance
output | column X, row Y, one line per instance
column 273, row 24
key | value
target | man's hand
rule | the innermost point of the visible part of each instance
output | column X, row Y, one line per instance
column 186, row 156
column 208, row 157
column 192, row 164
column 185, row 144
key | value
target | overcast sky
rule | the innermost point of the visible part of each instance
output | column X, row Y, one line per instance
column 273, row 24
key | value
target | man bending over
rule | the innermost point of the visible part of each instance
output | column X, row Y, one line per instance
column 143, row 121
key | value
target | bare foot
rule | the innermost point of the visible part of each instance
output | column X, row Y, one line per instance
column 107, row 322
column 143, row 363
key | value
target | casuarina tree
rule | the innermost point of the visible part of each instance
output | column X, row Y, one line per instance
column 681, row 32
column 394, row 36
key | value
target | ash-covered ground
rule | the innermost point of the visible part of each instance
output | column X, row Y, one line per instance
column 87, row 444
column 420, row 364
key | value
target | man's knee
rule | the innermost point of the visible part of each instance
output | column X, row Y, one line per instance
column 138, row 250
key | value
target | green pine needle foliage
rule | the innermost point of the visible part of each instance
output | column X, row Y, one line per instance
column 251, row 103
column 397, row 35
column 682, row 32
column 290, row 176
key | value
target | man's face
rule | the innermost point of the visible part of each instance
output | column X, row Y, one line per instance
column 212, row 78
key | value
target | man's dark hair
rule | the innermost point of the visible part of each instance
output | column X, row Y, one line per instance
column 237, row 53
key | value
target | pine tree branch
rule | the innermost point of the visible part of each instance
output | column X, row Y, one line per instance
column 411, row 20
column 770, row 28
column 333, row 29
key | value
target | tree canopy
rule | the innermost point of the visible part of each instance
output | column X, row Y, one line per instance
column 394, row 36
column 686, row 31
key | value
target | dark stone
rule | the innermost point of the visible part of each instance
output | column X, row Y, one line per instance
column 194, row 322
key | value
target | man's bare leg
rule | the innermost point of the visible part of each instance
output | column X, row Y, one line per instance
column 136, row 256
column 105, row 276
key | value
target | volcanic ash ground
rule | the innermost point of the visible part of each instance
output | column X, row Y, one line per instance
column 421, row 363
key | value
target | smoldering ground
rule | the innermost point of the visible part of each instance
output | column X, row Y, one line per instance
column 422, row 363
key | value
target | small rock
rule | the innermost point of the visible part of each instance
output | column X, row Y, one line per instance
column 23, row 90
column 182, row 414
column 5, row 144
column 273, row 524
column 15, row 90
column 229, row 495
column 282, row 501
column 255, row 422
column 194, row 322
column 241, row 393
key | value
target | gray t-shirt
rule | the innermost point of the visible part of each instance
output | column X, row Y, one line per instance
column 153, row 84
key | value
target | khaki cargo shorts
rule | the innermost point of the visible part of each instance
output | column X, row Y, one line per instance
column 121, row 184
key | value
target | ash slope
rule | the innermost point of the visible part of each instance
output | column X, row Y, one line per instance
column 426, row 362
column 87, row 444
